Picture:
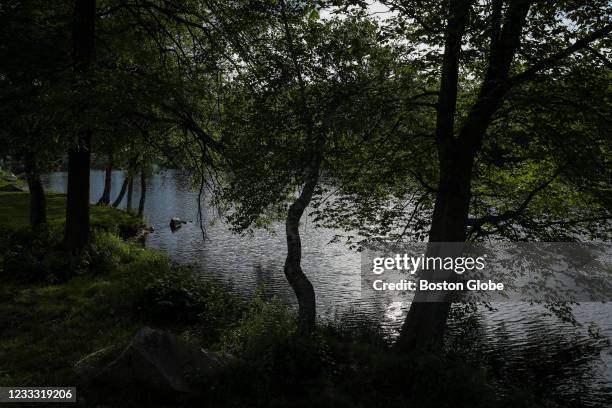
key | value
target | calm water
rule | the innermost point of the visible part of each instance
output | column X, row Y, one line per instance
column 518, row 342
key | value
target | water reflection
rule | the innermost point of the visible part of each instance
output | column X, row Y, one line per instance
column 517, row 342
column 522, row 346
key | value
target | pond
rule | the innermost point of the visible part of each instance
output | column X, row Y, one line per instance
column 518, row 342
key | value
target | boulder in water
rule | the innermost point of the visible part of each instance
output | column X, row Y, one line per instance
column 176, row 223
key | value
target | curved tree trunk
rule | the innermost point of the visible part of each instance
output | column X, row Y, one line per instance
column 38, row 201
column 307, row 311
column 143, row 191
column 119, row 198
column 299, row 282
column 108, row 178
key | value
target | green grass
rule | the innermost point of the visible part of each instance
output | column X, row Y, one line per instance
column 15, row 207
column 19, row 182
column 48, row 328
column 45, row 328
column 53, row 314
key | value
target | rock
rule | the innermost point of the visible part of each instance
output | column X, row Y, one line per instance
column 87, row 367
column 11, row 188
column 176, row 223
column 163, row 363
column 142, row 234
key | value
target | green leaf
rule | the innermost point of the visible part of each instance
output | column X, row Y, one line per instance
column 314, row 14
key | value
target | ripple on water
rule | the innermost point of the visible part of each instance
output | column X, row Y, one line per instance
column 517, row 342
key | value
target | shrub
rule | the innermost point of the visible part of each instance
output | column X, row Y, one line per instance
column 112, row 220
column 107, row 251
column 262, row 326
column 279, row 360
column 168, row 293
column 355, row 327
column 34, row 256
column 30, row 256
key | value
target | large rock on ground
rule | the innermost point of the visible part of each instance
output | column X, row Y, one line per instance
column 89, row 366
column 159, row 361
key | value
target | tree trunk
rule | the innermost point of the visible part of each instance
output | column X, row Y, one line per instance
column 299, row 282
column 426, row 321
column 119, row 198
column 38, row 202
column 108, row 178
column 143, row 192
column 77, row 205
column 130, row 194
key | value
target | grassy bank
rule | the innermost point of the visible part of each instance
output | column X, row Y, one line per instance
column 49, row 322
column 45, row 326
column 15, row 214
column 48, row 327
column 51, row 316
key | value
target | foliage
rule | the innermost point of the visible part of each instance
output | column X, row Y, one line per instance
column 15, row 208
column 263, row 324
column 33, row 255
column 545, row 153
column 61, row 323
column 339, row 366
column 248, row 96
column 124, row 287
column 324, row 88
column 172, row 292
